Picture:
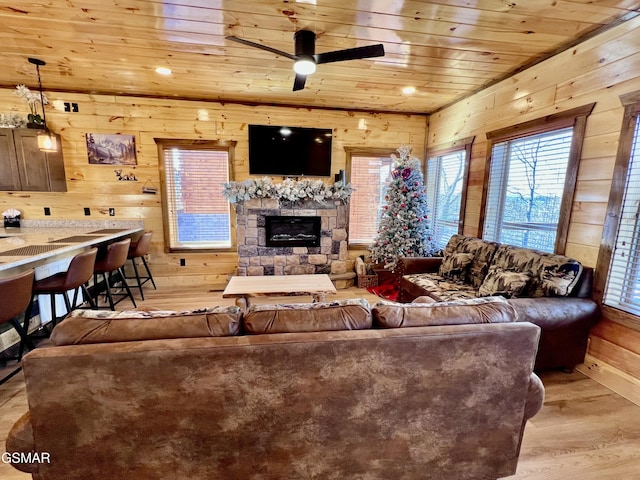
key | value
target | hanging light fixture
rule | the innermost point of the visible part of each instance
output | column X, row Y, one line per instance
column 47, row 141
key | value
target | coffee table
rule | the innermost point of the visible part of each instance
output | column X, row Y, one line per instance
column 243, row 288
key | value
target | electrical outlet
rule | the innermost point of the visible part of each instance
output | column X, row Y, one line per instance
column 87, row 211
column 112, row 212
column 47, row 211
column 183, row 262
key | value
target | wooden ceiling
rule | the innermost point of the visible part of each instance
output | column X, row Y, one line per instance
column 446, row 49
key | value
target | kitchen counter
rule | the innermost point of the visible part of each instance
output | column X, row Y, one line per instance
column 31, row 246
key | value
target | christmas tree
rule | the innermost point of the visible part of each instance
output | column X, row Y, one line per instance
column 404, row 225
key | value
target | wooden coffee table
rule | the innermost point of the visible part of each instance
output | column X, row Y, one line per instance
column 243, row 288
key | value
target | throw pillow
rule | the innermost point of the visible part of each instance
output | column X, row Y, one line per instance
column 351, row 314
column 506, row 283
column 454, row 266
column 557, row 280
column 97, row 326
column 457, row 312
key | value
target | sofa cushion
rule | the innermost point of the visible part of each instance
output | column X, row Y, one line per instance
column 440, row 288
column 478, row 310
column 506, row 283
column 424, row 299
column 551, row 274
column 351, row 314
column 482, row 251
column 99, row 326
column 454, row 266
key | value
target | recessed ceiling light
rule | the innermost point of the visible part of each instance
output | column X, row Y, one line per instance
column 409, row 90
column 163, row 70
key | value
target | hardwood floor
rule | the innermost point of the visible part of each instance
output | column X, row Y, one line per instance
column 584, row 431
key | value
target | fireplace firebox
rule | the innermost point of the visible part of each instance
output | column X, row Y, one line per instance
column 291, row 231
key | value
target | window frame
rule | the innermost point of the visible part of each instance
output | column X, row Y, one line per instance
column 465, row 144
column 364, row 152
column 576, row 118
column 214, row 145
column 631, row 104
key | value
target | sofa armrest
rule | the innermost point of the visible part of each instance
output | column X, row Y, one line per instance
column 565, row 324
column 535, row 397
column 20, row 440
column 409, row 265
column 551, row 313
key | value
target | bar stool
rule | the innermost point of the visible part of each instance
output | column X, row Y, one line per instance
column 77, row 275
column 112, row 264
column 137, row 250
column 15, row 295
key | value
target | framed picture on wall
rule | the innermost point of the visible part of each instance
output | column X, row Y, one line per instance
column 111, row 149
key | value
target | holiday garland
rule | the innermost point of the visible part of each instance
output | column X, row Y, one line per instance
column 289, row 189
column 404, row 224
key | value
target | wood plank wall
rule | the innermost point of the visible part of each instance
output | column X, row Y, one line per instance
column 97, row 187
column 598, row 70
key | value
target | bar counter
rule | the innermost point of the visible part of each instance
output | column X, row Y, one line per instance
column 33, row 246
column 47, row 246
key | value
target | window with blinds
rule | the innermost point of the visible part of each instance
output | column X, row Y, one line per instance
column 197, row 215
column 525, row 189
column 623, row 281
column 444, row 184
column 369, row 176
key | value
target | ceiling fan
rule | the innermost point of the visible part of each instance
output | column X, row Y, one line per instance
column 306, row 57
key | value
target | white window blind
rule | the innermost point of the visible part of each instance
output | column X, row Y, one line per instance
column 369, row 177
column 526, row 184
column 623, row 282
column 198, row 215
column 444, row 193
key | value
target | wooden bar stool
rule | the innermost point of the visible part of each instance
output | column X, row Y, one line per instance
column 77, row 275
column 110, row 267
column 15, row 295
column 137, row 250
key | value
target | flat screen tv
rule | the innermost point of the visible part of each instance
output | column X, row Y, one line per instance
column 289, row 151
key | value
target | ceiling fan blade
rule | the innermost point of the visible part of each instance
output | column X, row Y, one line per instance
column 351, row 54
column 298, row 83
column 261, row 47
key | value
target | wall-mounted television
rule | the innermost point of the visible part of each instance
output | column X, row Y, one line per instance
column 289, row 151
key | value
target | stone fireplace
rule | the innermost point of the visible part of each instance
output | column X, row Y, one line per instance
column 277, row 237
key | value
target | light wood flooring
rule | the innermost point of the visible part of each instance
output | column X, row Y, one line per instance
column 584, row 431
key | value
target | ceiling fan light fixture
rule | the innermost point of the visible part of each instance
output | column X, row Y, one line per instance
column 305, row 58
column 304, row 65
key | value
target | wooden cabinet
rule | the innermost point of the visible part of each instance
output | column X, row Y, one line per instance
column 24, row 167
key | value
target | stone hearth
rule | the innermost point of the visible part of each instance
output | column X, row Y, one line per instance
column 255, row 258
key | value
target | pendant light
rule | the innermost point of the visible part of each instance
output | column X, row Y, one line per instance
column 47, row 141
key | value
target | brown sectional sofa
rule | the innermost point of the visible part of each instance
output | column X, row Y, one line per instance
column 551, row 291
column 154, row 395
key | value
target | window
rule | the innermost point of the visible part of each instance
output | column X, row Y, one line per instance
column 369, row 173
column 531, row 180
column 623, row 280
column 446, row 184
column 196, row 214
